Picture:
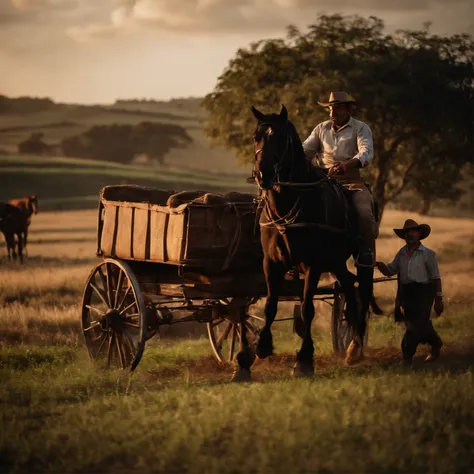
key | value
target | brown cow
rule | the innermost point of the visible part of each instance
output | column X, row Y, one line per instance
column 28, row 206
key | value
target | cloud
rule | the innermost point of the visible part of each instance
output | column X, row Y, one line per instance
column 204, row 17
column 44, row 5
column 86, row 21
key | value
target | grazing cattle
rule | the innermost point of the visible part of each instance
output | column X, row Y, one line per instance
column 13, row 222
column 28, row 206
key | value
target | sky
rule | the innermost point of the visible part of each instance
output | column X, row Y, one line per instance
column 97, row 51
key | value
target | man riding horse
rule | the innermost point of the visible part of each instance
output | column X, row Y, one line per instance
column 343, row 145
column 306, row 224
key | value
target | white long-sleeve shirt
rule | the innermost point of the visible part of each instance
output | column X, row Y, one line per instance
column 420, row 268
column 328, row 147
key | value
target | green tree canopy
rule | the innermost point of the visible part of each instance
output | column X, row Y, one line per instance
column 122, row 142
column 413, row 88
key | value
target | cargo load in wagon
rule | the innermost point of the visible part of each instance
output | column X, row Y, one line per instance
column 192, row 228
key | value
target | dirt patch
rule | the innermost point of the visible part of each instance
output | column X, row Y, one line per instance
column 207, row 369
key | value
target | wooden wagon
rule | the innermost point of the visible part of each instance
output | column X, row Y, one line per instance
column 199, row 260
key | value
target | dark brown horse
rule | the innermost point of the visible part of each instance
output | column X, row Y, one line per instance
column 13, row 222
column 305, row 222
column 29, row 206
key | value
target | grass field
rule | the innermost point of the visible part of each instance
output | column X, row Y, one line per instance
column 178, row 413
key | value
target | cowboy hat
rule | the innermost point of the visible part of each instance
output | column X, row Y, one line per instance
column 410, row 224
column 338, row 98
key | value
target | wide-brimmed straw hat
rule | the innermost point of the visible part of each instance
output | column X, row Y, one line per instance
column 410, row 224
column 338, row 98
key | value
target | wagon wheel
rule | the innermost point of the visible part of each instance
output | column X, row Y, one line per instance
column 114, row 319
column 342, row 333
column 225, row 332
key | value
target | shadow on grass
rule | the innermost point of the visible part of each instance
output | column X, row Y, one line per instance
column 66, row 240
column 63, row 230
column 22, row 358
column 40, row 261
column 44, row 334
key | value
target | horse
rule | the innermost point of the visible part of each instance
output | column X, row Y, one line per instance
column 29, row 206
column 306, row 221
column 13, row 222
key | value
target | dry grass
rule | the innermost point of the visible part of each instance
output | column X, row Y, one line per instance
column 45, row 292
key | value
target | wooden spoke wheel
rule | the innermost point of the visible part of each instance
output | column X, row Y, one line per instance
column 225, row 332
column 114, row 319
column 342, row 333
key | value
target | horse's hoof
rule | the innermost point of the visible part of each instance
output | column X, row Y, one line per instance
column 355, row 352
column 264, row 346
column 264, row 352
column 246, row 358
column 241, row 375
column 302, row 369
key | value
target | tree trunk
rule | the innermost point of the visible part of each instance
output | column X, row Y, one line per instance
column 379, row 187
column 426, row 206
column 381, row 206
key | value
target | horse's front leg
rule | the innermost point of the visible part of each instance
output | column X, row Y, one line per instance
column 304, row 359
column 246, row 356
column 355, row 351
column 274, row 275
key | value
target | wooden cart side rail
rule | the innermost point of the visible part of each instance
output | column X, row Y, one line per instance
column 173, row 210
column 155, row 233
column 129, row 228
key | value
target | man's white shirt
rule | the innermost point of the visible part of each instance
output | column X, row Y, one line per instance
column 326, row 147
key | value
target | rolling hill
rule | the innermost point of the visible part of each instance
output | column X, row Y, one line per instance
column 71, row 183
column 58, row 121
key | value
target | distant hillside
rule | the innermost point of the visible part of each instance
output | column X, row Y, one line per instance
column 69, row 183
column 20, row 117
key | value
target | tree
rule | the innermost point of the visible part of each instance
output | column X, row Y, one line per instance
column 121, row 143
column 412, row 88
column 436, row 178
column 34, row 145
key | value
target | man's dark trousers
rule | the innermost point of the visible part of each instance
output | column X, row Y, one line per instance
column 417, row 301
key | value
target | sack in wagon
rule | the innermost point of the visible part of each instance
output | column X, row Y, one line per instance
column 183, row 197
column 135, row 193
column 235, row 196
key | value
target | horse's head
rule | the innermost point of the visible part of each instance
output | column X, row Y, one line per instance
column 271, row 143
column 33, row 204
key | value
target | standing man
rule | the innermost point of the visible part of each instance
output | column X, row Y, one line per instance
column 420, row 282
column 343, row 145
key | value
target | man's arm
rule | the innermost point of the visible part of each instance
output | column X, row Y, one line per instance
column 390, row 269
column 365, row 145
column 312, row 145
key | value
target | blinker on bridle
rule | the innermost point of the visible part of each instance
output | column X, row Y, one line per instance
column 279, row 162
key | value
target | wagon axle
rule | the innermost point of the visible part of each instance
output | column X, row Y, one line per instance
column 112, row 319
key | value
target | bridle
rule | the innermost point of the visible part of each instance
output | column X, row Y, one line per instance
column 280, row 158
